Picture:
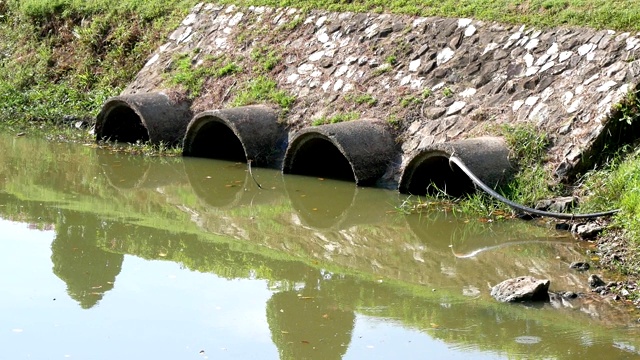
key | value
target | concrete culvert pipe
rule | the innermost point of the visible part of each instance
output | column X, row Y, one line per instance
column 430, row 171
column 237, row 134
column 357, row 151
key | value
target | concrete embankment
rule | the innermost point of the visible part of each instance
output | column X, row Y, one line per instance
column 433, row 80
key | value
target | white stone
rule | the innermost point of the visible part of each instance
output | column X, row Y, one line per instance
column 405, row 80
column 291, row 11
column 553, row 49
column 417, row 83
column 591, row 56
column 321, row 21
column 566, row 97
column 189, row 20
column 350, row 60
column 564, row 56
column 316, row 56
column 235, row 20
column 469, row 31
column 540, row 112
column 456, row 107
column 292, row 78
column 347, row 87
column 547, row 66
column 323, row 37
column 371, row 30
column 328, row 46
column 230, row 9
column 623, row 89
column 306, row 69
column 490, row 47
column 631, row 43
column 591, row 79
column 547, row 93
column 606, row 86
column 463, row 23
column 606, row 102
column 444, row 55
column 522, row 41
column 314, row 83
column 468, row 92
column 528, row 59
column 419, row 21
column 338, row 85
column 516, row 36
column 316, row 74
column 531, row 100
column 531, row 71
column 220, row 43
column 542, row 59
column 437, row 86
column 153, row 59
column 532, row 44
column 341, row 71
column 185, row 35
column 414, row 65
column 586, row 48
column 574, row 106
column 326, row 85
column 517, row 105
column 579, row 89
column 536, row 34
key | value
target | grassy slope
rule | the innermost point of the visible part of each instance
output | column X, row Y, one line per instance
column 65, row 57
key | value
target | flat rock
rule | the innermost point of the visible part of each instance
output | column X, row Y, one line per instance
column 523, row 288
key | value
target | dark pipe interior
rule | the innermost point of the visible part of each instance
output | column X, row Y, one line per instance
column 215, row 140
column 122, row 124
column 320, row 158
column 434, row 174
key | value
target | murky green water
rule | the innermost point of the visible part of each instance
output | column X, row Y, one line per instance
column 108, row 256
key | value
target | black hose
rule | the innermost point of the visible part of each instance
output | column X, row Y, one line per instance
column 490, row 191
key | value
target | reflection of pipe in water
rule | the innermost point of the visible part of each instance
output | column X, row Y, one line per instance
column 242, row 134
column 150, row 117
column 124, row 171
column 359, row 151
column 225, row 184
column 430, row 168
column 326, row 203
column 467, row 238
column 320, row 203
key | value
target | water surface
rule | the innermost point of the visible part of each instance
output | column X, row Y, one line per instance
column 107, row 256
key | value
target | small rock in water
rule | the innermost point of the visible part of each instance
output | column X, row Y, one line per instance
column 580, row 266
column 524, row 288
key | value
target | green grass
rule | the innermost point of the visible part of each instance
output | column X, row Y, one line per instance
column 338, row 118
column 192, row 76
column 262, row 89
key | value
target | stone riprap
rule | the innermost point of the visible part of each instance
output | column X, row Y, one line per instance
column 436, row 79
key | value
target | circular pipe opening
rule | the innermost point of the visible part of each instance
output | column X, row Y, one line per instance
column 433, row 175
column 321, row 158
column 122, row 124
column 216, row 140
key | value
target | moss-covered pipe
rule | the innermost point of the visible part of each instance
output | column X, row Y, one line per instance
column 429, row 169
column 247, row 133
column 153, row 117
column 357, row 151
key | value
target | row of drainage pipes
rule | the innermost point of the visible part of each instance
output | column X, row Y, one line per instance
column 361, row 151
